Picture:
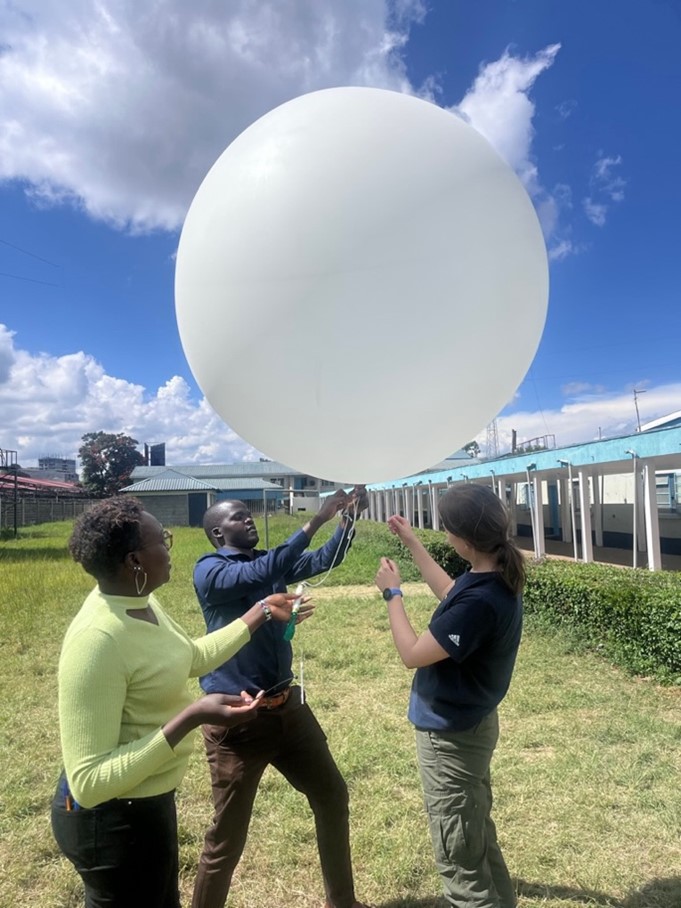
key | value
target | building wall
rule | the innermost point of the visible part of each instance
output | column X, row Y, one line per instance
column 51, row 473
column 171, row 510
column 61, row 464
column 617, row 527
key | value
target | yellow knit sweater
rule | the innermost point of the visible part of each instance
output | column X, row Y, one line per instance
column 120, row 680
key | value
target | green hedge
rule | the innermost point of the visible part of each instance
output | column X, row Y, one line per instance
column 439, row 549
column 633, row 616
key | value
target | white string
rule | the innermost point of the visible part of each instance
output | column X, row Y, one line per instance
column 352, row 515
column 302, row 676
column 347, row 539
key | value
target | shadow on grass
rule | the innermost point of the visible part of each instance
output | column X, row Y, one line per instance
column 413, row 903
column 658, row 893
column 39, row 553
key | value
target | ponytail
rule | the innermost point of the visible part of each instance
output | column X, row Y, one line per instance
column 477, row 515
column 512, row 566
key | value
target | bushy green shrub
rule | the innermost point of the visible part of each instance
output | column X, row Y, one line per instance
column 634, row 616
column 373, row 541
column 439, row 549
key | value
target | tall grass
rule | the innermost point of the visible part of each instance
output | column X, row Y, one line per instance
column 586, row 776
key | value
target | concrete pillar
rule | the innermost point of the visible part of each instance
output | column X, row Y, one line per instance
column 513, row 509
column 596, row 480
column 538, row 504
column 434, row 511
column 585, row 516
column 419, row 505
column 409, row 503
column 565, row 514
column 652, row 518
column 640, row 516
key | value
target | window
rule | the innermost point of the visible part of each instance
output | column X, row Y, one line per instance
column 667, row 488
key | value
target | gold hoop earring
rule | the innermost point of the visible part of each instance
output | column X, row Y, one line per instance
column 140, row 589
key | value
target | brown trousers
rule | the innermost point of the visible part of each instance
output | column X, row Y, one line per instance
column 290, row 739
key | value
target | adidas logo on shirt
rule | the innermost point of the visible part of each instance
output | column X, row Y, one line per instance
column 455, row 638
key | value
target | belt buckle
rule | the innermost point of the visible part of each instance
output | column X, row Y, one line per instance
column 276, row 700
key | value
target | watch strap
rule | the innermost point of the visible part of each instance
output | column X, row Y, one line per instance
column 390, row 592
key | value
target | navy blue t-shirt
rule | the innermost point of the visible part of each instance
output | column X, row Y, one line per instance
column 479, row 623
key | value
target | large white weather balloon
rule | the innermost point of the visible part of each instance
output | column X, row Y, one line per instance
column 361, row 284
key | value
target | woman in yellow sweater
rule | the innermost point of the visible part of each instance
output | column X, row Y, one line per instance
column 126, row 715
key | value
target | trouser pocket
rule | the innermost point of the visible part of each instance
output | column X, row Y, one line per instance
column 457, row 826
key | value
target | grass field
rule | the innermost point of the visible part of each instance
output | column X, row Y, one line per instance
column 586, row 776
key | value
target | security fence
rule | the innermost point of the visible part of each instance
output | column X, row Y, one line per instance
column 26, row 511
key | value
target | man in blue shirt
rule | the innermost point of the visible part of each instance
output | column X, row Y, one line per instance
column 284, row 732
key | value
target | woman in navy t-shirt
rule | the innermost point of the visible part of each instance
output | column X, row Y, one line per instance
column 464, row 663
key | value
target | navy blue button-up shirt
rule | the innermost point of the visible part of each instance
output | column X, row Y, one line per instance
column 228, row 583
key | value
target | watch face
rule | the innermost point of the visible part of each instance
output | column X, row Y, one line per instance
column 387, row 594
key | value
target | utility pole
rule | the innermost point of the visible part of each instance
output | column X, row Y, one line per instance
column 638, row 418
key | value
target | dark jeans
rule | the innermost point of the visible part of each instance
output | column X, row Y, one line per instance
column 291, row 739
column 124, row 850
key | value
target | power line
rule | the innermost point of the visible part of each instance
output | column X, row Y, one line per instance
column 32, row 254
column 32, row 280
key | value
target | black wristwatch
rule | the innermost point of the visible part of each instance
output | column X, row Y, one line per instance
column 390, row 592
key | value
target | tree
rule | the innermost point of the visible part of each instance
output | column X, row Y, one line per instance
column 108, row 460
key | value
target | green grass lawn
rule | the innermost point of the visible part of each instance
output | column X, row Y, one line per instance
column 586, row 776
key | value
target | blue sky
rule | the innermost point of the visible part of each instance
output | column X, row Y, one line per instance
column 112, row 112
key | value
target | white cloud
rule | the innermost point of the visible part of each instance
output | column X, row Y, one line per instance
column 566, row 108
column 595, row 211
column 578, row 388
column 6, row 353
column 590, row 413
column 48, row 403
column 561, row 249
column 498, row 105
column 606, row 186
column 611, row 184
column 122, row 107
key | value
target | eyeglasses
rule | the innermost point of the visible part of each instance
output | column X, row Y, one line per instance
column 166, row 539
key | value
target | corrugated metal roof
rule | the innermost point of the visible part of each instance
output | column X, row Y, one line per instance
column 169, row 481
column 7, row 480
column 220, row 471
column 173, row 481
column 240, row 484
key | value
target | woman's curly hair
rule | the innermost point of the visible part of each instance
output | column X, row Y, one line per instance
column 104, row 534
